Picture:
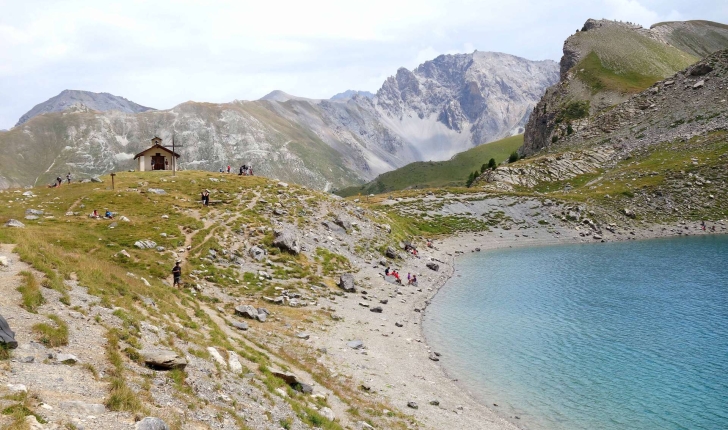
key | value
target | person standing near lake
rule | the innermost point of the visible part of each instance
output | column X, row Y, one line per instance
column 177, row 273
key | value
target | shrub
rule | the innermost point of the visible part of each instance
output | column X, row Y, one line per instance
column 513, row 157
column 554, row 139
column 569, row 129
column 575, row 110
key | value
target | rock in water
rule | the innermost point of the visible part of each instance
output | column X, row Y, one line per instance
column 346, row 282
column 151, row 423
column 163, row 359
column 433, row 266
column 286, row 240
column 7, row 336
column 14, row 223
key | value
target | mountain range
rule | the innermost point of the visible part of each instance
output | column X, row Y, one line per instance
column 442, row 107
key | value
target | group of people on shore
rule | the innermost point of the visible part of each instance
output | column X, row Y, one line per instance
column 411, row 279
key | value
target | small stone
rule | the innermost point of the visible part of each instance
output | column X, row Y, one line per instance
column 435, row 402
column 304, row 336
column 67, row 358
column 399, row 324
column 377, row 309
column 433, row 266
column 412, row 404
column 355, row 344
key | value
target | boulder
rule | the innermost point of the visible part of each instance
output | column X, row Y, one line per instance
column 247, row 311
column 629, row 212
column 240, row 325
column 4, row 261
column 257, row 253
column 433, row 266
column 34, row 212
column 346, row 225
column 434, row 356
column 262, row 316
column 145, row 244
column 234, row 362
column 82, row 408
column 31, row 217
column 163, row 359
column 156, row 191
column 28, row 194
column 96, row 179
column 294, row 381
column 412, row 404
column 346, row 282
column 286, row 240
column 14, row 223
column 699, row 84
column 151, row 423
column 377, row 309
column 701, row 69
column 390, row 253
column 7, row 336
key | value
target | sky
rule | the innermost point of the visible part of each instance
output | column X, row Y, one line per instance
column 163, row 53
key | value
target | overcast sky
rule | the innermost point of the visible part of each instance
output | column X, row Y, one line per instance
column 160, row 54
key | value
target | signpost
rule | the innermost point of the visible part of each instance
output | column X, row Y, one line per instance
column 112, row 180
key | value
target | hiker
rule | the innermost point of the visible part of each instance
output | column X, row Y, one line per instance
column 206, row 197
column 397, row 278
column 177, row 273
column 241, row 170
column 68, row 177
column 59, row 180
column 386, row 271
column 94, row 214
column 108, row 214
column 414, row 280
column 702, row 225
column 409, row 278
column 228, row 168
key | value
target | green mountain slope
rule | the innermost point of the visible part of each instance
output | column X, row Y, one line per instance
column 431, row 174
column 607, row 62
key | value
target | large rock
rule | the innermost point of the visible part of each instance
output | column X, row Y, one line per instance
column 346, row 225
column 257, row 253
column 96, row 179
column 327, row 413
column 145, row 244
column 294, row 381
column 355, row 344
column 433, row 266
column 156, row 191
column 67, row 358
column 240, row 325
column 346, row 282
column 248, row 311
column 83, row 408
column 7, row 336
column 151, row 423
column 163, row 359
column 390, row 253
column 287, row 240
column 36, row 212
column 14, row 223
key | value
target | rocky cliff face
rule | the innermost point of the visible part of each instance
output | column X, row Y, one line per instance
column 79, row 99
column 444, row 106
column 607, row 62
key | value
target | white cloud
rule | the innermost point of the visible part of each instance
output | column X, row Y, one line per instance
column 163, row 53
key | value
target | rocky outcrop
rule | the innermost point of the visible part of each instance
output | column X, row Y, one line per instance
column 286, row 239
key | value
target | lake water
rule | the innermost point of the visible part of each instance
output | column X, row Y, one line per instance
column 627, row 335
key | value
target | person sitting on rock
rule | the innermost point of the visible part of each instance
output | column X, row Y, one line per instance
column 386, row 271
column 413, row 281
column 94, row 214
column 108, row 214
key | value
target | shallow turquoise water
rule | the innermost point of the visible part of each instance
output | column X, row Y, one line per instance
column 602, row 336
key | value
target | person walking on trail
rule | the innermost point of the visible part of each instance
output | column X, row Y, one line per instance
column 68, row 177
column 177, row 273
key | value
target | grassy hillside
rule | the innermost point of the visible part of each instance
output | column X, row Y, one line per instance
column 620, row 59
column 432, row 174
column 699, row 38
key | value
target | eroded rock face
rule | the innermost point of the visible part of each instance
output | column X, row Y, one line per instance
column 163, row 359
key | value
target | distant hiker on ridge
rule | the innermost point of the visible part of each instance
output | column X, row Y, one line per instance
column 68, row 177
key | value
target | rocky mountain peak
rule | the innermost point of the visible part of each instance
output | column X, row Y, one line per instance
column 95, row 101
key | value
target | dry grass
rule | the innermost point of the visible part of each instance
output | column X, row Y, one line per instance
column 30, row 290
column 52, row 335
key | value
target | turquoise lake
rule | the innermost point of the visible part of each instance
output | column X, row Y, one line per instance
column 629, row 335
